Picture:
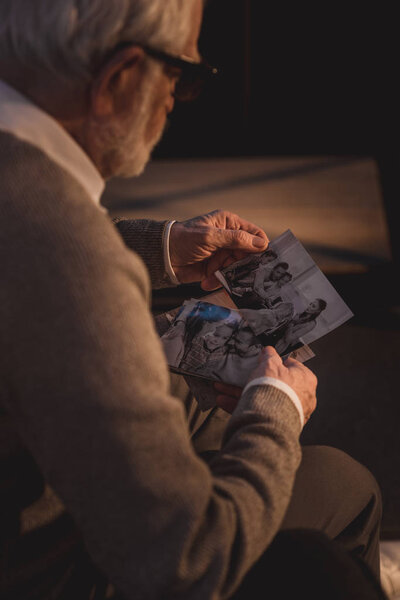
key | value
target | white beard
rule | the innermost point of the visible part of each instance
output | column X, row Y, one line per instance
column 128, row 151
column 134, row 150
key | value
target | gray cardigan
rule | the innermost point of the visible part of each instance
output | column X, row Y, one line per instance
column 87, row 420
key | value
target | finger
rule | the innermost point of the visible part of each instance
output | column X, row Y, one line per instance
column 292, row 362
column 233, row 221
column 210, row 284
column 220, row 258
column 227, row 403
column 228, row 390
column 244, row 225
column 236, row 255
column 269, row 358
column 270, row 353
column 238, row 240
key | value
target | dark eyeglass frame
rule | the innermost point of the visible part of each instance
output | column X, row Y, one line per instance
column 194, row 74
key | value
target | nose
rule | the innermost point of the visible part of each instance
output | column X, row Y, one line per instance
column 170, row 103
column 171, row 97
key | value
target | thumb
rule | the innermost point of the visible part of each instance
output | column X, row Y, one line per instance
column 238, row 239
column 269, row 352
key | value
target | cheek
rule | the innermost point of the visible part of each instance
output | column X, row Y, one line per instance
column 162, row 104
column 155, row 124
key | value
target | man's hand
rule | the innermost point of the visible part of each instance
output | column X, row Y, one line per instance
column 294, row 373
column 228, row 396
column 201, row 246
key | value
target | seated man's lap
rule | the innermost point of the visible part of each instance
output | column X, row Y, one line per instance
column 303, row 563
column 206, row 427
column 333, row 493
column 327, row 477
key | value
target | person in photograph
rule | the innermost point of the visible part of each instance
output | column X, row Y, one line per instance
column 265, row 320
column 299, row 326
column 254, row 295
column 245, row 343
column 197, row 318
column 188, row 321
column 242, row 284
column 273, row 275
column 242, row 274
column 269, row 273
column 271, row 290
column 206, row 350
column 241, row 359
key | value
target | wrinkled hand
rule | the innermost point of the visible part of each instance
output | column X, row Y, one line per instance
column 294, row 373
column 201, row 246
column 228, row 396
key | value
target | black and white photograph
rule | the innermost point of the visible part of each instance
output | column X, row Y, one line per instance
column 213, row 342
column 285, row 298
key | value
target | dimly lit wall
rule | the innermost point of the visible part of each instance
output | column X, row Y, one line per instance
column 292, row 82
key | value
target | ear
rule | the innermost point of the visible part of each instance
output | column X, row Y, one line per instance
column 113, row 90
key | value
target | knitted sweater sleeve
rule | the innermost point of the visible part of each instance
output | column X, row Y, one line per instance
column 145, row 237
column 87, row 385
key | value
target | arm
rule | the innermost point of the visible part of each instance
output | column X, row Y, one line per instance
column 91, row 398
column 262, row 292
column 146, row 238
column 197, row 247
column 259, row 283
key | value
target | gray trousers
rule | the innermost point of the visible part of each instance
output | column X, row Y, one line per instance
column 332, row 493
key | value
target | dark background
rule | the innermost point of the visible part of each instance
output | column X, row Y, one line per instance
column 293, row 80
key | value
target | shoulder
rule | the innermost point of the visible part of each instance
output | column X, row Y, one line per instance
column 51, row 228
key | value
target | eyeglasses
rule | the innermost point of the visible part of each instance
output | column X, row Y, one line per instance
column 193, row 75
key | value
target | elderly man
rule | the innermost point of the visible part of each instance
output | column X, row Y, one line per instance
column 100, row 478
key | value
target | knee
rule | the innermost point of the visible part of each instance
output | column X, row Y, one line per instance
column 347, row 473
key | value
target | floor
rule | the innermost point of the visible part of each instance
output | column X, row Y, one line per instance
column 334, row 206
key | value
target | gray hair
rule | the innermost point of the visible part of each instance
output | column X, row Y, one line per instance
column 70, row 37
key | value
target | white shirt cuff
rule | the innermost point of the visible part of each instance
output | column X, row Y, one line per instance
column 167, row 259
column 284, row 387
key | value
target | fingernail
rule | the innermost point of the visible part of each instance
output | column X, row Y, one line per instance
column 258, row 242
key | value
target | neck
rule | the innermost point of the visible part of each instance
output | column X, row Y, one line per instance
column 66, row 102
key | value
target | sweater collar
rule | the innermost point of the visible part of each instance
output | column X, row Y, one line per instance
column 22, row 118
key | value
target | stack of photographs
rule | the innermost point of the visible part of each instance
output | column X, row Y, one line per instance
column 282, row 299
